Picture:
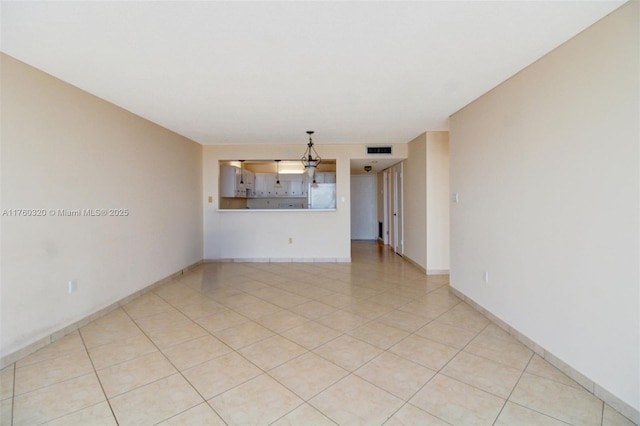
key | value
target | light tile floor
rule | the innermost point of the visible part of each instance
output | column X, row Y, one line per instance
column 371, row 342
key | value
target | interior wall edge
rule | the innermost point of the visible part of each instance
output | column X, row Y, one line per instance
column 414, row 263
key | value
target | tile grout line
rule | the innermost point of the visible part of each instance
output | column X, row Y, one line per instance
column 483, row 357
column 515, row 385
column 45, row 386
column 236, row 351
column 514, row 388
column 447, row 363
column 306, row 401
column 369, row 321
column 441, row 368
column 13, row 394
column 95, row 372
column 530, row 408
column 174, row 366
column 542, row 414
column 405, row 402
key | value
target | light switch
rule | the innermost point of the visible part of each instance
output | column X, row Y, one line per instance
column 454, row 197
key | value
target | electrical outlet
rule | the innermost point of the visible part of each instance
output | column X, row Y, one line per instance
column 290, row 240
column 73, row 286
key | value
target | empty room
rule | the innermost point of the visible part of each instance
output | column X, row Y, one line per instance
column 320, row 213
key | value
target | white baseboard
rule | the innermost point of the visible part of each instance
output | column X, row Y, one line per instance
column 283, row 260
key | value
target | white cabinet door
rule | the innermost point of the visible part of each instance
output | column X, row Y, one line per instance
column 236, row 183
column 228, row 182
column 264, row 185
column 260, row 189
column 239, row 182
column 283, row 191
column 270, row 185
column 249, row 184
column 326, row 177
column 293, row 186
column 296, row 186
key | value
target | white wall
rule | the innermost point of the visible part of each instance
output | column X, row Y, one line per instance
column 437, row 153
column 65, row 149
column 363, row 207
column 426, row 202
column 547, row 169
column 415, row 202
column 264, row 235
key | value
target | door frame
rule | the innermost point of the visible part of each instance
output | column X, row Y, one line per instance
column 368, row 183
column 398, row 222
column 393, row 226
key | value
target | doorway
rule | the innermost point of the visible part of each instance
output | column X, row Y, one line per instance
column 363, row 207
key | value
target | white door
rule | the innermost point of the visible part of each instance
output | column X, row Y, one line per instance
column 363, row 207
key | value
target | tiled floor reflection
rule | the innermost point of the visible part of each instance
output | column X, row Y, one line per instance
column 368, row 343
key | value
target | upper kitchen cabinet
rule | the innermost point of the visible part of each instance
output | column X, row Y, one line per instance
column 236, row 182
column 229, row 180
column 325, row 177
column 264, row 185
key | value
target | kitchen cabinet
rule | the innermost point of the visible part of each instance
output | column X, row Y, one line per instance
column 247, row 183
column 228, row 181
column 236, row 183
column 261, row 185
column 296, row 185
column 325, row 177
column 291, row 186
column 265, row 185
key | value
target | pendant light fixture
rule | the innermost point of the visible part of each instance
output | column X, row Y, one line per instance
column 310, row 163
column 278, row 184
column 241, row 172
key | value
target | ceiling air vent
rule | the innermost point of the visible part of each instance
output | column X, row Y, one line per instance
column 378, row 150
